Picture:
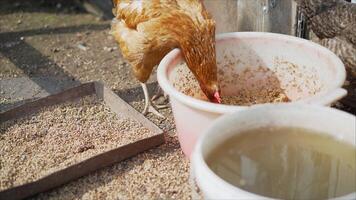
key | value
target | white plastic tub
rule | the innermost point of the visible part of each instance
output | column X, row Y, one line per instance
column 338, row 124
column 307, row 72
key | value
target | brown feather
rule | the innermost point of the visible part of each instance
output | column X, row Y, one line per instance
column 147, row 30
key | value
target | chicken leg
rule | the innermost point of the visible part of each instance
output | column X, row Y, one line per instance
column 149, row 107
column 159, row 94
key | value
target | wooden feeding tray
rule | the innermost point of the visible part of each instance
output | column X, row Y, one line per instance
column 75, row 168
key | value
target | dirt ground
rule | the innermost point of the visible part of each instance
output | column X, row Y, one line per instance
column 47, row 46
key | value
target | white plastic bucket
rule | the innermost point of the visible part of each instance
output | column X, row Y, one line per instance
column 338, row 124
column 308, row 72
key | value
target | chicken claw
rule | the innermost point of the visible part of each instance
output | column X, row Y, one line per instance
column 149, row 107
column 159, row 94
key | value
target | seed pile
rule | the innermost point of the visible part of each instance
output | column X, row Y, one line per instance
column 159, row 173
column 248, row 100
column 59, row 136
column 186, row 82
column 254, row 86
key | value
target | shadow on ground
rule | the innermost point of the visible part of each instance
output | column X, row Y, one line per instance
column 48, row 6
column 136, row 93
column 27, row 58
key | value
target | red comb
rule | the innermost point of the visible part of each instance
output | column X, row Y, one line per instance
column 217, row 97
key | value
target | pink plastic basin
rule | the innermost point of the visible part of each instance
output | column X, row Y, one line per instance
column 307, row 72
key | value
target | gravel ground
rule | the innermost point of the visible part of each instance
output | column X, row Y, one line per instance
column 42, row 40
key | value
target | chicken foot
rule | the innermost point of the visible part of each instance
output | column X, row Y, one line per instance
column 159, row 94
column 149, row 107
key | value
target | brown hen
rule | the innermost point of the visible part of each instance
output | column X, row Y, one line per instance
column 147, row 30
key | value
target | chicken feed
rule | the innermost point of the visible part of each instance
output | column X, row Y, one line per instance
column 248, row 84
column 59, row 136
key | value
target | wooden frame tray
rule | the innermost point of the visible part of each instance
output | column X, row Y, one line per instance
column 116, row 104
